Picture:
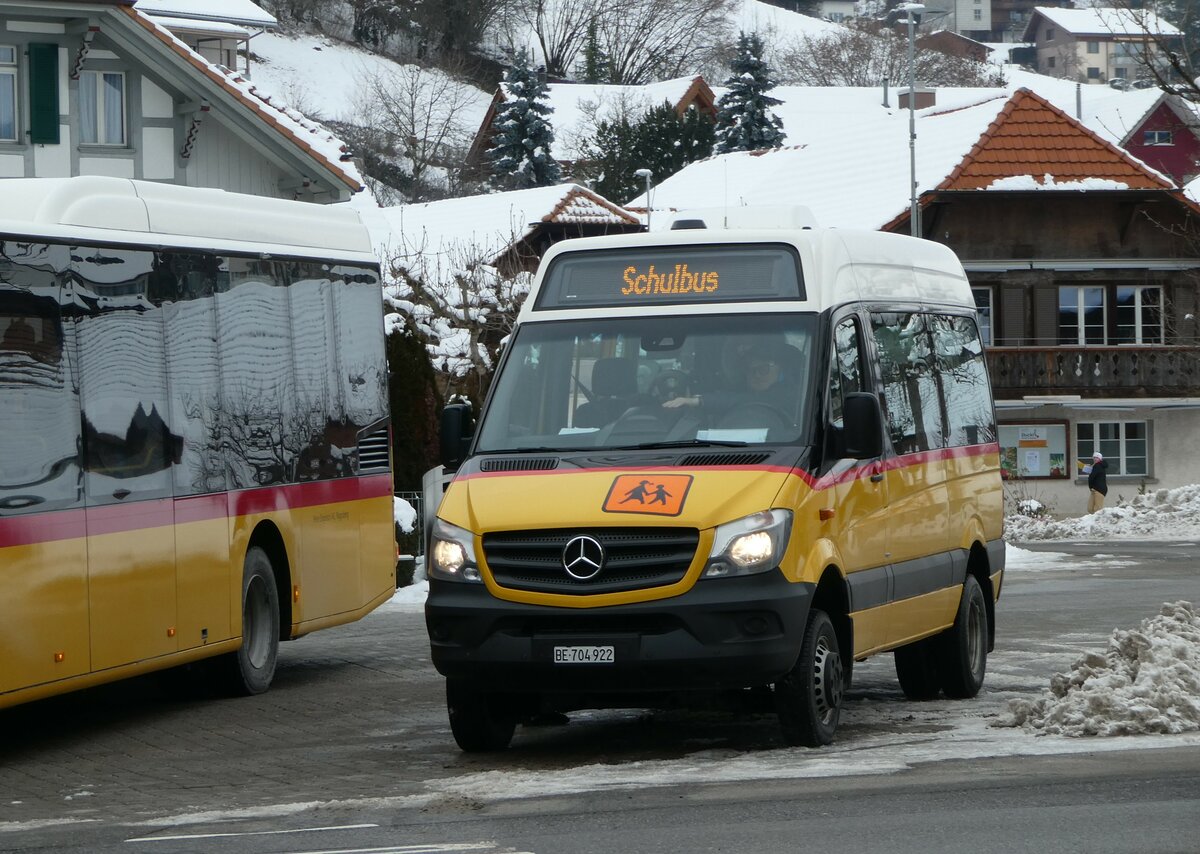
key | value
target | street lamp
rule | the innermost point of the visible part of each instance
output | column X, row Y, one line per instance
column 912, row 10
column 647, row 174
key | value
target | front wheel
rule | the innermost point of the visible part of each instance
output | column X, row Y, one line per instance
column 963, row 660
column 482, row 722
column 251, row 669
column 808, row 700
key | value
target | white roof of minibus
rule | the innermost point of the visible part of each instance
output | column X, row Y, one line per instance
column 118, row 210
column 840, row 266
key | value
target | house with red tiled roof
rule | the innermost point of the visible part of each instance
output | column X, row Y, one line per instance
column 96, row 87
column 1085, row 263
column 1167, row 138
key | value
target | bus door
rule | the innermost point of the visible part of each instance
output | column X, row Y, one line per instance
column 128, row 450
column 917, row 512
column 43, row 549
column 861, row 506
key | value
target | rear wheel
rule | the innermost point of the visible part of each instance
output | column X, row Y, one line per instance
column 916, row 668
column 963, row 659
column 251, row 669
column 808, row 700
column 482, row 721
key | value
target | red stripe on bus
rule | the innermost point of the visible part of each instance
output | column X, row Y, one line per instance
column 32, row 528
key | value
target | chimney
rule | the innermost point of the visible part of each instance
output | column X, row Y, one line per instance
column 924, row 97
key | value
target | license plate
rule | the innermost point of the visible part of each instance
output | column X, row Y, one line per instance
column 584, row 655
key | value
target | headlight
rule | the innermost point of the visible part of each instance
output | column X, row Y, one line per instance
column 452, row 553
column 755, row 543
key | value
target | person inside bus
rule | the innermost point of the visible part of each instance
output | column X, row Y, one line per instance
column 764, row 379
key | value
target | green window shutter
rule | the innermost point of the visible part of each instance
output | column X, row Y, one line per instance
column 43, row 93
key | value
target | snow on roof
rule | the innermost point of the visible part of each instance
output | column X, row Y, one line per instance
column 293, row 125
column 481, row 228
column 846, row 156
column 242, row 12
column 776, row 25
column 191, row 25
column 1107, row 22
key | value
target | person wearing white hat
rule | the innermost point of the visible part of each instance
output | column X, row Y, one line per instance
column 1097, row 483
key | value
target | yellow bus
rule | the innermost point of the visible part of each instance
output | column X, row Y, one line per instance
column 194, row 451
column 722, row 462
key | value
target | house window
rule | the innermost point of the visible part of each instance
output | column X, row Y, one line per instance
column 102, row 108
column 983, row 305
column 1093, row 73
column 1139, row 315
column 1158, row 137
column 1080, row 315
column 1050, row 62
column 1049, row 33
column 8, row 93
column 1125, row 445
column 1121, row 72
column 978, row 14
column 1093, row 47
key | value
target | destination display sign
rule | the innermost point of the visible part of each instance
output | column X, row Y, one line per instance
column 672, row 275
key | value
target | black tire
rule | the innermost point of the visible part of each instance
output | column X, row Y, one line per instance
column 962, row 662
column 482, row 722
column 251, row 669
column 808, row 700
column 916, row 668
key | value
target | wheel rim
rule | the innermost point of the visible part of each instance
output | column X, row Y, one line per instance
column 256, row 621
column 975, row 643
column 827, row 680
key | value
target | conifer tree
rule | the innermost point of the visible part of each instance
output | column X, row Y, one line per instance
column 522, row 135
column 596, row 67
column 744, row 118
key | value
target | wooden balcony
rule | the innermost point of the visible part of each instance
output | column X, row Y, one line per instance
column 1126, row 371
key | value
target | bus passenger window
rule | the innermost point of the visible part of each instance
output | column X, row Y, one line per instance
column 910, row 389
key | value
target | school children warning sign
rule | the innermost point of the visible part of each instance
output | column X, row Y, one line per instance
column 657, row 494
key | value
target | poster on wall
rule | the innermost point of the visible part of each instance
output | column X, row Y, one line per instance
column 1033, row 450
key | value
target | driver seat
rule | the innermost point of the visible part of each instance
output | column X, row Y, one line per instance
column 614, row 387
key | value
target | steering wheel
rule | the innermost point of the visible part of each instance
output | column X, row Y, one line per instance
column 670, row 384
column 756, row 414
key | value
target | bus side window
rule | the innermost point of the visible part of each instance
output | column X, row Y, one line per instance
column 846, row 374
column 963, row 375
column 910, row 388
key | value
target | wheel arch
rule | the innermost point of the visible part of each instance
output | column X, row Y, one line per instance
column 268, row 537
column 979, row 567
column 832, row 595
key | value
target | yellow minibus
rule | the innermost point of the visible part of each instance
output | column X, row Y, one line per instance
column 724, row 460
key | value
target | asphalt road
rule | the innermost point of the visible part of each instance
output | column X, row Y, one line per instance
column 350, row 751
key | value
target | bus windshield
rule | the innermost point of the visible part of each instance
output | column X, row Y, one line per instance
column 646, row 382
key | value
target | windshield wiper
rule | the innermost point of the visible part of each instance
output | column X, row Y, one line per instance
column 683, row 443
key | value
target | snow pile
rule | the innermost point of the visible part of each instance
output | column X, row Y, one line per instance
column 403, row 514
column 1148, row 681
column 1169, row 513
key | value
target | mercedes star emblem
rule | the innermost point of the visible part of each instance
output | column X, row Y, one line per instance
column 582, row 558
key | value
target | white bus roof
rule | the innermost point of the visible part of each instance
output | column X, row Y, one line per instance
column 839, row 266
column 118, row 210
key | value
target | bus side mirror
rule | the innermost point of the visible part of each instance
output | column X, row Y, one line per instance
column 455, row 433
column 862, row 433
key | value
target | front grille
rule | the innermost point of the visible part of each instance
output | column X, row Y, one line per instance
column 746, row 459
column 373, row 452
column 635, row 558
column 519, row 464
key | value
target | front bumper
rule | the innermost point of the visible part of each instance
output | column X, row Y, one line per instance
column 722, row 634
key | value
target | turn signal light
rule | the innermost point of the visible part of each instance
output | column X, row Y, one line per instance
column 171, row 632
column 826, row 513
column 296, row 593
column 59, row 657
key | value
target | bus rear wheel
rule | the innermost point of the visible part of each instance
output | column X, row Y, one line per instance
column 963, row 661
column 482, row 721
column 808, row 700
column 251, row 669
